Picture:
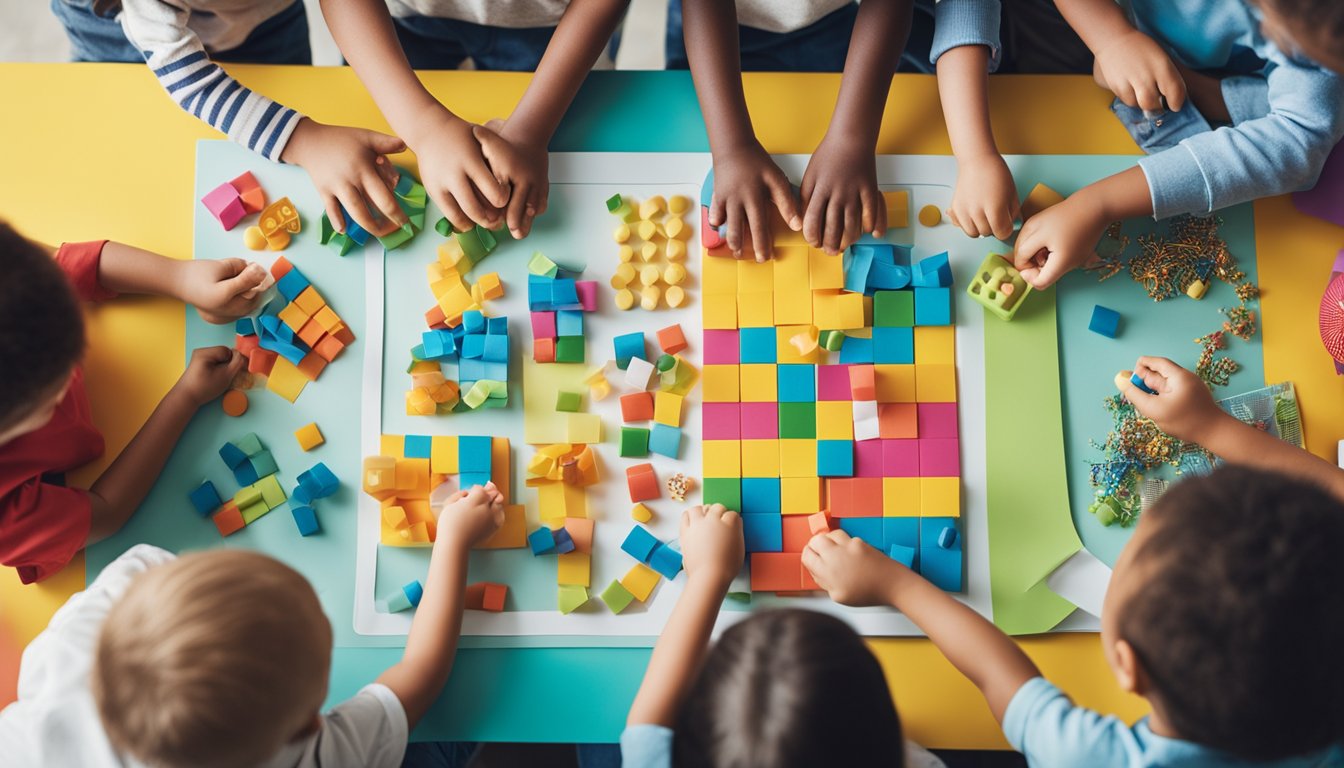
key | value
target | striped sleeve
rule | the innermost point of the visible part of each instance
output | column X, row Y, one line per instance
column 178, row 59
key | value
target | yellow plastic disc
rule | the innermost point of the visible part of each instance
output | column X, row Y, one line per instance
column 679, row 204
column 674, row 274
column 930, row 216
column 676, row 250
column 648, row 298
column 648, row 275
column 649, row 251
column 627, row 253
column 675, row 296
column 253, row 239
column 625, row 273
column 647, row 230
column 622, row 233
column 624, row 299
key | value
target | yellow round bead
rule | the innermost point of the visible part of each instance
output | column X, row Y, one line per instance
column 626, row 253
column 648, row 275
column 649, row 251
column 626, row 273
column 647, row 230
column 624, row 299
column 676, row 229
column 622, row 233
column 679, row 204
column 930, row 216
column 674, row 274
column 649, row 297
column 675, row 296
column 676, row 250
column 253, row 239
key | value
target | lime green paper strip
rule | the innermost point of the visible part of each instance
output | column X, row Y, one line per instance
column 1030, row 529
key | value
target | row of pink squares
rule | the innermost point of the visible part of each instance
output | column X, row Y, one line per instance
column 760, row 421
column 924, row 457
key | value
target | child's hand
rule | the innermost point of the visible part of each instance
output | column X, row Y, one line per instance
column 711, row 544
column 1058, row 240
column 850, row 570
column 841, row 199
column 1139, row 73
column 1183, row 406
column 469, row 517
column 746, row 184
column 209, row 373
column 348, row 168
column 522, row 167
column 223, row 290
column 984, row 202
column 456, row 174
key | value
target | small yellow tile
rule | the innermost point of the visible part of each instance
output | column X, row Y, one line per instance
column 939, row 496
column 936, row 383
column 574, row 568
column 835, row 420
column 640, row 581
column 797, row 458
column 935, row 345
column 755, row 277
column 826, row 271
column 895, row 383
column 900, row 496
column 756, row 309
column 800, row 495
column 310, row 301
column 792, row 266
column 309, row 436
column 793, row 307
column 719, row 275
column 392, row 445
column 719, row 311
column 443, row 454
column 898, row 208
column 667, row 408
column 722, row 458
column 785, row 352
column 721, row 383
column 759, row 383
column 760, row 458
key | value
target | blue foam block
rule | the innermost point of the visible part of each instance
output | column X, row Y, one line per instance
column 414, row 591
column 473, row 346
column 760, row 496
column 942, row 567
column 756, row 345
column 907, row 556
column 933, row 306
column 902, row 531
column 305, row 519
column 639, row 543
column 497, row 326
column 666, row 561
column 542, row 541
column 417, row 446
column 320, row 482
column 835, row 458
column 867, row 528
column 565, row 294
column 888, row 277
column 496, row 349
column 245, row 327
column 763, row 533
column 629, row 345
column 932, row 272
column 893, row 345
column 858, row 261
column 856, row 351
column 205, row 498
column 1138, row 381
column 569, row 322
column 797, row 383
column 469, row 480
column 931, row 532
column 473, row 321
column 1105, row 321
column 291, row 284
column 564, row 543
column 473, row 454
column 665, row 440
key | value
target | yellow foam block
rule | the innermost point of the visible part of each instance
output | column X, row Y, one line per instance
column 584, row 428
column 309, row 436
column 826, row 309
column 667, row 408
column 797, row 458
column 328, row 319
column 900, row 496
column 641, row 514
column 413, row 478
column 755, row 277
column 310, row 301
column 936, row 383
column 512, row 534
column 793, row 307
column 800, row 495
column 576, row 501
column 293, row 316
column 640, row 581
column 760, row 458
column 826, row 271
column 786, row 352
column 722, row 458
column 852, row 311
column 551, row 501
column 286, row 380
column 935, row 345
column 574, row 568
column 500, row 466
column 756, row 309
column 719, row 275
column 792, row 266
column 721, row 383
column 719, row 311
column 758, row 383
column 898, row 208
column 939, row 496
column 835, row 420
column 419, row 529
column 895, row 383
column 443, row 454
column 686, row 378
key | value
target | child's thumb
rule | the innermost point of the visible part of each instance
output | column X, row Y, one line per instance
column 385, row 144
column 250, row 277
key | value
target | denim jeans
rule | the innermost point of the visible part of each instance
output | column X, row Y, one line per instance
column 281, row 39
column 435, row 43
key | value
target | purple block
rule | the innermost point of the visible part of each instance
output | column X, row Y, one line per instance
column 940, row 457
column 869, row 458
column 1326, row 200
column 938, row 420
column 721, row 347
column 900, row 458
column 721, row 421
column 833, row 382
column 760, row 421
column 543, row 325
column 587, row 290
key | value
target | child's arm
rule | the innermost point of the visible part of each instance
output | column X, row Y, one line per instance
column 841, row 199
column 345, row 164
column 1129, row 63
column 452, row 167
column 466, row 519
column 516, row 147
column 856, row 574
column 222, row 290
column 118, row 492
column 711, row 541
column 1184, row 409
column 984, row 202
column 746, row 181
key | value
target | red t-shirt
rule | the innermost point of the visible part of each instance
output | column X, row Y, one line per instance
column 42, row 522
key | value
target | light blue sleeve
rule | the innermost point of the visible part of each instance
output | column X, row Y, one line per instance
column 1050, row 730
column 1281, row 150
column 646, row 746
column 966, row 22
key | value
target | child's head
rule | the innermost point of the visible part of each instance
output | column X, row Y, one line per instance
column 41, row 334
column 789, row 688
column 216, row 659
column 1313, row 28
column 1226, row 611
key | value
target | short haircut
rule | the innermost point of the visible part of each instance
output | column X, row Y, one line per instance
column 41, row 325
column 1238, row 618
column 216, row 659
column 789, row 688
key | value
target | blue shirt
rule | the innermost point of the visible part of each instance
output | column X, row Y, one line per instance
column 650, row 746
column 966, row 22
column 1286, row 113
column 1050, row 730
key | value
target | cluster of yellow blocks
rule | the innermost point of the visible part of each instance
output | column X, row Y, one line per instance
column 561, row 474
column 652, row 236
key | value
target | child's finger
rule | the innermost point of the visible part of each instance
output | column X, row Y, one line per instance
column 1001, row 223
column 734, row 234
column 835, row 225
column 452, row 211
column 853, row 224
column 814, row 219
column 717, row 212
column 1030, row 242
column 1148, row 98
column 383, row 143
column 333, row 207
column 480, row 172
column 516, row 215
column 244, row 281
column 879, row 205
column 781, row 195
column 1050, row 272
column 819, row 545
column 762, row 245
column 473, row 205
column 981, row 220
column 376, row 192
column 1162, row 366
column 1132, row 393
column 353, row 200
column 1172, row 86
column 867, row 212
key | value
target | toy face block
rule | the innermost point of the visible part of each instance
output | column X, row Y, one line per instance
column 998, row 287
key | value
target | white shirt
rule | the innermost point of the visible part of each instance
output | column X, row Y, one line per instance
column 54, row 723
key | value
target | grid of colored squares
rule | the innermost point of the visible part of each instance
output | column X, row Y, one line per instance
column 558, row 305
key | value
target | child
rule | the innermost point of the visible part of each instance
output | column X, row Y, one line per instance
column 45, row 424
column 1282, row 117
column 180, row 40
column 221, row 658
column 1223, row 612
column 1312, row 28
column 774, row 690
column 476, row 174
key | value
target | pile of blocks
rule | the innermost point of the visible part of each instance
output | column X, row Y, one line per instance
column 231, row 201
column 408, row 468
column 557, row 304
column 561, row 474
column 480, row 345
column 663, row 407
column 656, row 560
column 294, row 337
column 652, row 237
column 410, row 197
column 317, row 482
column 254, row 469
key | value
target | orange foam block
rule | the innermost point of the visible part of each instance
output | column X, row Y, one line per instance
column 776, row 572
column 643, row 482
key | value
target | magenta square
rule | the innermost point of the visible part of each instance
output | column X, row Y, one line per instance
column 940, row 457
column 869, row 458
column 587, row 290
column 225, row 205
column 833, row 382
column 760, row 421
column 721, row 347
column 938, row 420
column 721, row 421
column 543, row 325
column 900, row 458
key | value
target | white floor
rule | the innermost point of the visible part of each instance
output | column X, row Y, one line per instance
column 31, row 33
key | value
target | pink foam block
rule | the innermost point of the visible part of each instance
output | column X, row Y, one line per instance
column 939, row 457
column 587, row 290
column 760, row 421
column 833, row 382
column 900, row 458
column 869, row 458
column 709, row 236
column 543, row 325
column 224, row 203
column 721, row 421
column 721, row 347
column 938, row 420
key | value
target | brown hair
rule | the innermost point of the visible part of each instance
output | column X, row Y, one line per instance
column 216, row 659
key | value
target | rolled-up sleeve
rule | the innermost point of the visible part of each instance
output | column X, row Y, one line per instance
column 966, row 22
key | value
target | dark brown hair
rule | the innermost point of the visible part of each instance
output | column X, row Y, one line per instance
column 1239, row 621
column 789, row 688
column 41, row 325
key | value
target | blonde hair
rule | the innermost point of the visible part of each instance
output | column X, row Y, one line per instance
column 218, row 658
